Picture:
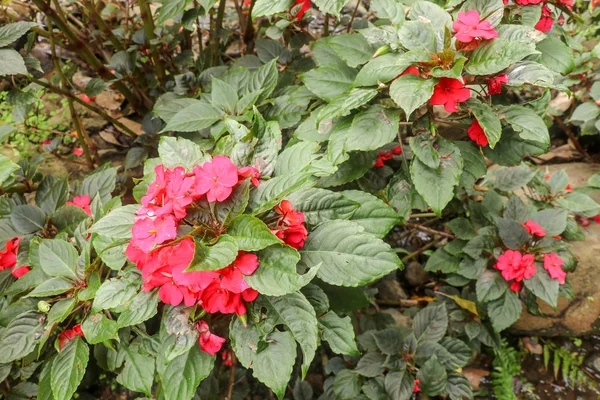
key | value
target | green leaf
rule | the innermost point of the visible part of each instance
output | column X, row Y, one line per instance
column 112, row 294
column 330, row 80
column 140, row 309
column 389, row 9
column 299, row 316
column 513, row 234
column 556, row 55
column 349, row 255
column 495, row 55
column 347, row 385
column 505, row 310
column 101, row 182
column 223, row 95
column 350, row 170
column 320, row 205
column 52, row 193
column 59, row 258
column 68, row 368
column 217, row 256
column 250, row 233
column 371, row 365
column 490, row 286
column 437, row 185
column 530, row 72
column 459, row 387
column 95, row 86
column 442, row 261
column 512, row 148
column 7, row 167
column 433, row 377
column 427, row 11
column 512, row 178
column 175, row 152
column 296, row 158
column 430, row 323
column 382, row 69
column 97, row 328
column 520, row 33
column 585, row 112
column 578, row 203
column 462, row 228
column 11, row 63
column 270, row 7
column 529, row 125
column 330, row 6
column 543, row 286
column 11, row 32
column 20, row 336
column 343, row 104
column 410, row 92
column 182, row 375
column 52, row 287
column 553, row 221
column 271, row 192
column 490, row 10
column 117, row 224
column 263, row 79
column 352, row 48
column 339, row 333
column 488, row 120
column 516, row 209
column 277, row 275
column 111, row 252
column 274, row 364
column 417, row 35
column 195, row 117
column 28, row 218
column 138, row 373
column 68, row 218
column 167, row 108
column 423, row 148
column 170, row 9
column 399, row 384
column 381, row 123
column 373, row 214
column 60, row 311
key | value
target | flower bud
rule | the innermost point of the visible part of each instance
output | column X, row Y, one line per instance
column 43, row 306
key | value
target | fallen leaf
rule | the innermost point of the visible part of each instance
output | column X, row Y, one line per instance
column 474, row 376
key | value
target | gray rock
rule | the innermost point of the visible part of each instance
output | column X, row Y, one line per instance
column 401, row 319
column 390, row 288
column 415, row 274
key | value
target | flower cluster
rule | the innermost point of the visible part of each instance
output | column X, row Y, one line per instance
column 8, row 258
column 546, row 22
column 515, row 266
column 164, row 258
column 387, row 155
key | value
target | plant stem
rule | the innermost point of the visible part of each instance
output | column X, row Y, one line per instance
column 97, row 19
column 216, row 39
column 84, row 51
column 429, row 230
column 82, row 135
column 353, row 16
column 146, row 14
column 249, row 31
column 94, row 109
column 231, row 375
column 422, row 215
column 326, row 25
column 422, row 249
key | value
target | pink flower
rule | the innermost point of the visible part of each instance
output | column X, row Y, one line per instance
column 528, row 2
column 171, row 293
column 545, row 23
column 216, row 178
column 82, row 202
column 477, row 134
column 78, row 151
column 515, row 266
column 209, row 342
column 449, row 92
column 69, row 335
column 233, row 276
column 495, row 84
column 534, row 229
column 148, row 232
column 217, row 299
column 568, row 3
column 469, row 27
column 251, row 172
column 170, row 193
column 553, row 264
column 160, row 265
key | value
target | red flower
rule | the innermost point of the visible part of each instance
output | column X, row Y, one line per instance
column 82, row 202
column 495, row 84
column 515, row 286
column 534, row 229
column 379, row 163
column 568, row 3
column 20, row 271
column 69, row 335
column 477, row 134
column 209, row 342
column 417, row 389
column 78, row 151
column 8, row 256
column 85, row 98
column 561, row 20
column 568, row 189
column 217, row 299
column 216, row 178
column 290, row 225
column 553, row 264
column 528, row 2
column 515, row 266
column 397, row 150
column 233, row 276
column 448, row 92
column 226, row 357
column 597, row 219
column 545, row 23
column 304, row 8
column 468, row 26
column 251, row 172
column 412, row 70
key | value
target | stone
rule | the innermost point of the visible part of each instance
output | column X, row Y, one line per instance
column 415, row 274
column 580, row 316
column 390, row 289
